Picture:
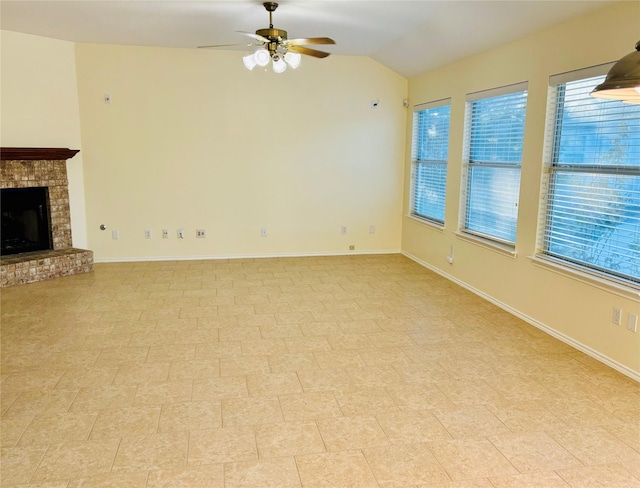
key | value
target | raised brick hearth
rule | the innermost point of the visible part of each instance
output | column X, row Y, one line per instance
column 42, row 167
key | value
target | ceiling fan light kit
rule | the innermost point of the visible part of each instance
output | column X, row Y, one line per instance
column 623, row 80
column 273, row 45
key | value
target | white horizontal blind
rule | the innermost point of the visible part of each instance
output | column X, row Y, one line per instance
column 430, row 151
column 592, row 216
column 495, row 134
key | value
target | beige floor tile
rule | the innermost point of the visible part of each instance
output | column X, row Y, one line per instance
column 540, row 479
column 288, row 439
column 408, row 427
column 324, row 328
column 280, row 472
column 471, row 421
column 32, row 380
column 347, row 433
column 378, row 376
column 325, row 380
column 306, row 406
column 20, row 463
column 77, row 378
column 332, row 469
column 77, row 460
column 595, row 446
column 11, row 428
column 128, row 480
column 40, row 401
column 469, row 459
column 365, row 401
column 251, row 411
column 57, row 428
column 190, row 416
column 210, row 476
column 403, row 465
column 131, row 374
column 195, row 369
column 161, row 392
column 534, row 451
column 340, row 359
column 243, row 365
column 216, row 389
column 603, row 475
column 114, row 423
column 525, row 416
column 273, row 384
column 264, row 346
column 283, row 363
column 149, row 452
column 92, row 399
column 242, row 333
column 307, row 344
column 208, row 351
column 279, row 331
column 169, row 370
column 419, row 397
column 224, row 445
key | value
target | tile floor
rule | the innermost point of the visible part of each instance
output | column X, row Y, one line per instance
column 359, row 371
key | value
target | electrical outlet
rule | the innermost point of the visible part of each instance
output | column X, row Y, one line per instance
column 180, row 234
column 115, row 234
column 372, row 229
column 343, row 229
column 263, row 232
column 147, row 234
column 616, row 317
column 201, row 233
column 632, row 322
column 165, row 234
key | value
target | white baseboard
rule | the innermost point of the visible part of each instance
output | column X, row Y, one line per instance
column 635, row 375
column 135, row 259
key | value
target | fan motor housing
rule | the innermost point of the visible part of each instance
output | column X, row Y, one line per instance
column 272, row 34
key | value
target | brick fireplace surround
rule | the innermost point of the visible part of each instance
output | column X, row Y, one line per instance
column 32, row 167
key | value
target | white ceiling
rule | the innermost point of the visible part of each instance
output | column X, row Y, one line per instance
column 410, row 37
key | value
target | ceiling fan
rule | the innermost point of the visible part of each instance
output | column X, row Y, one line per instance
column 274, row 45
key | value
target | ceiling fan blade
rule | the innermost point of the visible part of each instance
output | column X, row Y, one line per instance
column 311, row 40
column 221, row 45
column 310, row 52
column 254, row 36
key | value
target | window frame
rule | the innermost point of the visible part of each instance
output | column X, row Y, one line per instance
column 416, row 162
column 590, row 274
column 493, row 242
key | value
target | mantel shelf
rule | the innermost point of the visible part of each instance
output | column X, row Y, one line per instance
column 36, row 153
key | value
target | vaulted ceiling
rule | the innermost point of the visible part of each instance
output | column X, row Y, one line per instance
column 409, row 37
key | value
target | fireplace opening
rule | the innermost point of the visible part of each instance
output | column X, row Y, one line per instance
column 25, row 220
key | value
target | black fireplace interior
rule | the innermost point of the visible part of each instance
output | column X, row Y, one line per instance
column 25, row 220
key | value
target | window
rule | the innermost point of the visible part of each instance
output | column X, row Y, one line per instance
column 592, row 210
column 430, row 151
column 493, row 147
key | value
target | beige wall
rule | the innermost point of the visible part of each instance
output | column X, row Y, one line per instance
column 191, row 140
column 579, row 312
column 39, row 107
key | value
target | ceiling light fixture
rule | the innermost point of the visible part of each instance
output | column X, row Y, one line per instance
column 623, row 80
column 279, row 59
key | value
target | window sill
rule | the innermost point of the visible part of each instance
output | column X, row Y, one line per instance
column 611, row 286
column 504, row 249
column 432, row 225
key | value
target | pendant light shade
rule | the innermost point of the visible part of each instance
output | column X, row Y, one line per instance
column 623, row 80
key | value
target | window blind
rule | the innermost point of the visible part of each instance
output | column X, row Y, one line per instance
column 592, row 214
column 430, row 152
column 493, row 140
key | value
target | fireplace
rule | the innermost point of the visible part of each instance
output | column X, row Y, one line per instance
column 36, row 218
column 25, row 220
